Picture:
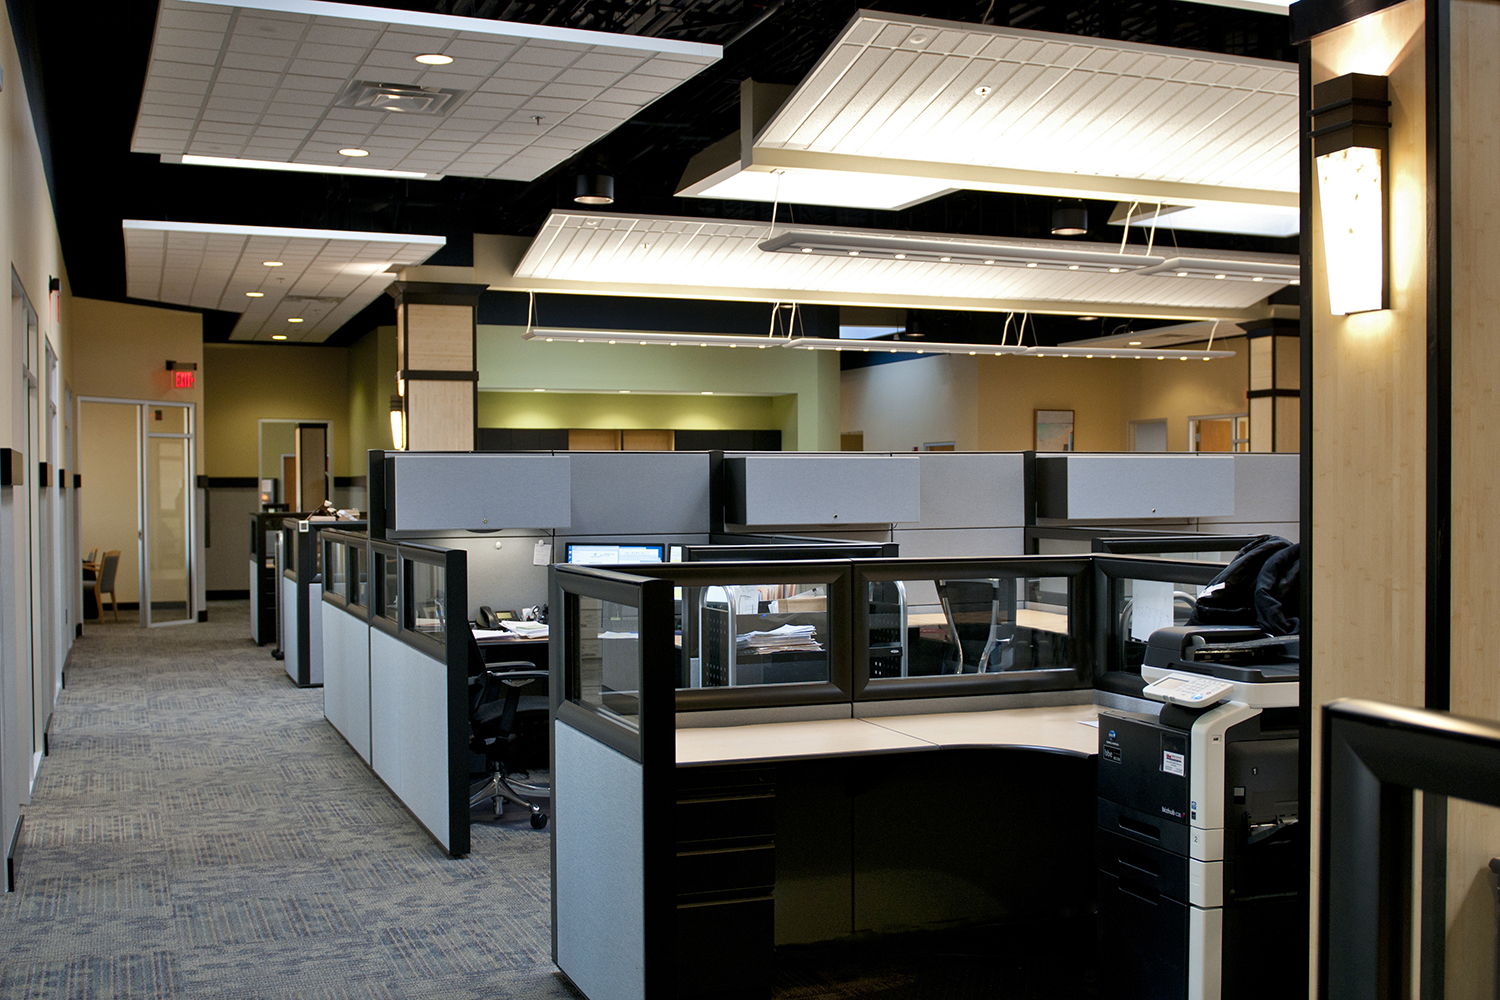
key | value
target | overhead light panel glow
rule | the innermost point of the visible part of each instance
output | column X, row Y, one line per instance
column 193, row 159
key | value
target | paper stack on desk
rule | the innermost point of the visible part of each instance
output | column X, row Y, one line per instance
column 787, row 638
column 526, row 630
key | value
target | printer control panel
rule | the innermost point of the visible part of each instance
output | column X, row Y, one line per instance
column 1190, row 691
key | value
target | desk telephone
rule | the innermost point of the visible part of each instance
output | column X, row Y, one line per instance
column 486, row 617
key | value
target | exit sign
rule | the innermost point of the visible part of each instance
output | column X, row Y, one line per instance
column 183, row 380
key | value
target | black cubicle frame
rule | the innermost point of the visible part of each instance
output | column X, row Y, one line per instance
column 353, row 599
column 1108, row 569
column 1136, row 545
column 300, row 537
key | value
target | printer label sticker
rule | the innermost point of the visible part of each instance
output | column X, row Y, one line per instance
column 1173, row 763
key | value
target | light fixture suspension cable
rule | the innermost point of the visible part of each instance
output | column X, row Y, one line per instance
column 1128, row 216
column 1211, row 335
column 1151, row 242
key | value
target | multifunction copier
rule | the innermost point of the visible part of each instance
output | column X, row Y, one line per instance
column 1200, row 862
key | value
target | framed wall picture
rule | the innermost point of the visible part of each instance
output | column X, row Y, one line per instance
column 1054, row 430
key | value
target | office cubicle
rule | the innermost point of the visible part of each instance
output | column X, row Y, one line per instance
column 623, row 697
column 300, row 624
column 396, row 676
column 265, row 536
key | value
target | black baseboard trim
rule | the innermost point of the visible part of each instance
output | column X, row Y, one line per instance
column 78, row 631
column 203, row 615
column 47, row 737
column 10, row 855
column 228, row 595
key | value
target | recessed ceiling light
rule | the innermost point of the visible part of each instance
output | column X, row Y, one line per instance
column 705, row 393
column 433, row 59
column 901, row 256
column 1087, row 319
column 807, row 249
column 538, row 390
column 1114, row 270
column 945, row 259
column 854, row 253
column 351, row 151
column 271, row 263
column 278, row 336
column 1134, row 343
column 255, row 295
column 1182, row 274
column 983, row 91
column 294, row 319
column 918, row 39
column 1219, row 277
column 624, row 392
column 1072, row 267
column 1032, row 264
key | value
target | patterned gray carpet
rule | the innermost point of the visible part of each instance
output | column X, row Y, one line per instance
column 199, row 830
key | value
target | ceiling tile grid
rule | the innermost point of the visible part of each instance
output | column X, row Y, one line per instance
column 912, row 89
column 229, row 79
column 626, row 250
column 324, row 279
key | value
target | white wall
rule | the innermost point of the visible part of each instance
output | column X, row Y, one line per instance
column 906, row 404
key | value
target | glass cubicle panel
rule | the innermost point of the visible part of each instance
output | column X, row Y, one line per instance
column 388, row 586
column 1139, row 595
column 336, row 566
column 929, row 626
column 359, row 583
column 754, row 633
column 609, row 659
column 428, row 598
column 289, row 547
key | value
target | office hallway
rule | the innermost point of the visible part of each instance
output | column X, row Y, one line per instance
column 199, row 830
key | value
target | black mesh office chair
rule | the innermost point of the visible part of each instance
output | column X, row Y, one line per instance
column 980, row 638
column 500, row 718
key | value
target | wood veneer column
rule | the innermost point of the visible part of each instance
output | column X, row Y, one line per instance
column 1275, row 384
column 437, row 364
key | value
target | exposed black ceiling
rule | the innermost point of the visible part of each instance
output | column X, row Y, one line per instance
column 92, row 68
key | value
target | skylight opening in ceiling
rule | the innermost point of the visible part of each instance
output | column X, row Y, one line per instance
column 261, row 81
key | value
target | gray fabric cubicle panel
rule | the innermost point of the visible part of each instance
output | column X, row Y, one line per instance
column 1267, row 496
column 442, row 491
column 972, row 490
column 409, row 730
column 1101, row 487
column 505, row 578
column 598, row 868
column 640, row 493
column 778, row 489
column 346, row 676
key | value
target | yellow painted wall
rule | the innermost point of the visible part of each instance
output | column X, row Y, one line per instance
column 806, row 382
column 123, row 351
column 372, row 383
column 990, row 403
column 244, row 384
column 633, row 411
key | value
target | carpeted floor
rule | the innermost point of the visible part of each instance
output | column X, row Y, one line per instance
column 199, row 830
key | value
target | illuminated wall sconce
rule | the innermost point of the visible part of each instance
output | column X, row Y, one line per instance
column 398, row 424
column 1351, row 130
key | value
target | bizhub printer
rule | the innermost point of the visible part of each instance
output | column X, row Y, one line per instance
column 1200, row 866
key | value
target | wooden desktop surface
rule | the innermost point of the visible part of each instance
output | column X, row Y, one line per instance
column 1044, row 621
column 1062, row 728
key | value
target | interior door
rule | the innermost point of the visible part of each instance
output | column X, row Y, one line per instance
column 167, row 503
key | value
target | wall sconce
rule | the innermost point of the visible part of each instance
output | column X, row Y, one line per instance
column 398, row 424
column 1351, row 131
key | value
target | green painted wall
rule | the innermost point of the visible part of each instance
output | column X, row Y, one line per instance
column 797, row 391
column 609, row 411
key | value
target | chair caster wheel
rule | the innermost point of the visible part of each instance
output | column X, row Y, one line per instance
column 538, row 820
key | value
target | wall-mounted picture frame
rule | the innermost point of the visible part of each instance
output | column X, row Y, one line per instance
column 1054, row 430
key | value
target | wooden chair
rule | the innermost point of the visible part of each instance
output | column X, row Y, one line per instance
column 104, row 583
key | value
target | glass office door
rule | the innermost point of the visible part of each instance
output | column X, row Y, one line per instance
column 167, row 515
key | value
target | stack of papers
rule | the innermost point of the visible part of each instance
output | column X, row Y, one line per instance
column 787, row 638
column 526, row 630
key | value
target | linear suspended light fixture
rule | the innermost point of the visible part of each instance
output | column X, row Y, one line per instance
column 1159, row 354
column 1351, row 135
column 642, row 339
column 926, row 251
column 898, row 346
column 1216, row 269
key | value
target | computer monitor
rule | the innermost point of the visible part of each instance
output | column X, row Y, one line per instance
column 594, row 554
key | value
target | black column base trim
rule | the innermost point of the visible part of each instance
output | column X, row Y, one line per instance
column 10, row 855
column 228, row 595
column 1277, row 393
column 203, row 615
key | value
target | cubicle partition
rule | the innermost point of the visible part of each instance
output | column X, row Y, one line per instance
column 346, row 611
column 265, row 535
column 301, row 621
column 396, row 671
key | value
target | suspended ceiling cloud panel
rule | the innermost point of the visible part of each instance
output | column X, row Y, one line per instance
column 725, row 260
column 913, row 89
column 263, row 81
column 325, row 278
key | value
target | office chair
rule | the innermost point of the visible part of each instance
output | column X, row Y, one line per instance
column 104, row 583
column 497, row 712
column 980, row 641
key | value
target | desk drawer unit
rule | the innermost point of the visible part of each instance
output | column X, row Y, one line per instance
column 725, row 871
